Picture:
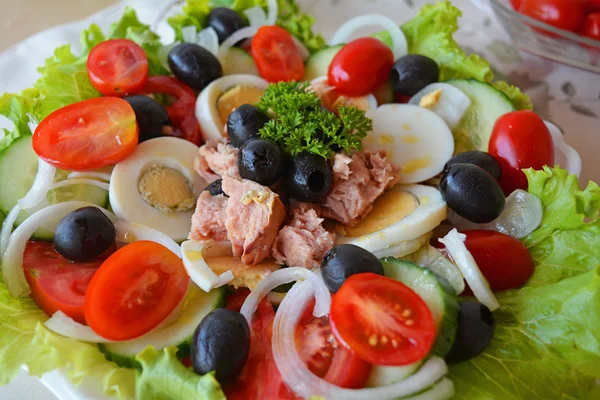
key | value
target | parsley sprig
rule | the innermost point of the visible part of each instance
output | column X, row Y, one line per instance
column 299, row 123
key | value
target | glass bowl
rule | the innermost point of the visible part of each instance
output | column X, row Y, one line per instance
column 546, row 41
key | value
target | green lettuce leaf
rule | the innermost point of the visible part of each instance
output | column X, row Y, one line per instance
column 520, row 100
column 164, row 377
column 17, row 108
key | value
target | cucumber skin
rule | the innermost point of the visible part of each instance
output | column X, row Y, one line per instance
column 183, row 348
column 318, row 63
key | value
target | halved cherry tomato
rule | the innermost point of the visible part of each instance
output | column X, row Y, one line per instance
column 382, row 320
column 182, row 111
column 56, row 283
column 516, row 4
column 503, row 260
column 276, row 56
column 360, row 67
column 134, row 290
column 592, row 5
column 117, row 67
column 520, row 140
column 562, row 14
column 591, row 26
column 87, row 135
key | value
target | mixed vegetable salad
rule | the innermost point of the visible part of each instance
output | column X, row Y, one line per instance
column 253, row 213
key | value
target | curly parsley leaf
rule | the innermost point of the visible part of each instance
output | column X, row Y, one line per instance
column 300, row 123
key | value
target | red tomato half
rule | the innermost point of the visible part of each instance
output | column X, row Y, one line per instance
column 382, row 320
column 134, row 290
column 520, row 140
column 503, row 260
column 182, row 111
column 591, row 26
column 562, row 14
column 56, row 283
column 516, row 4
column 87, row 135
column 360, row 67
column 118, row 67
column 276, row 56
column 592, row 5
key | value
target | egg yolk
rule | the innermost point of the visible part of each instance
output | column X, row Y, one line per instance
column 243, row 275
column 236, row 97
column 166, row 189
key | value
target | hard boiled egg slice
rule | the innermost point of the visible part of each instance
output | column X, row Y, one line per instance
column 417, row 141
column 403, row 214
column 221, row 97
column 157, row 186
column 445, row 100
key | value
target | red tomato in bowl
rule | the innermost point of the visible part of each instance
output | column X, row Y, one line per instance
column 117, row 67
column 520, row 140
column 562, row 14
column 360, row 67
column 87, row 135
column 382, row 320
column 591, row 26
column 276, row 56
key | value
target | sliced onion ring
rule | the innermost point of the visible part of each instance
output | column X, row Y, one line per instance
column 208, row 39
column 12, row 264
column 103, row 176
column 163, row 55
column 273, row 12
column 344, row 33
column 244, row 33
column 256, row 16
column 281, row 277
column 129, row 232
column 304, row 383
column 41, row 185
column 80, row 181
column 7, row 227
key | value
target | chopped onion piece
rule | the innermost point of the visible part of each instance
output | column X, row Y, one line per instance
column 41, row 185
column 80, row 181
column 301, row 48
column 12, row 264
column 304, row 383
column 66, row 326
column 273, row 12
column 345, row 32
column 7, row 226
column 103, row 176
column 188, row 33
column 129, row 232
column 455, row 245
column 281, row 277
column 244, row 33
column 256, row 16
column 565, row 156
column 163, row 55
column 208, row 39
column 522, row 215
column 198, row 270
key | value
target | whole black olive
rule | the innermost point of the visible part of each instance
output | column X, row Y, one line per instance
column 194, row 65
column 216, row 188
column 244, row 123
column 412, row 73
column 472, row 193
column 221, row 343
column 225, row 22
column 345, row 260
column 309, row 177
column 475, row 331
column 84, row 234
column 479, row 158
column 260, row 161
column 152, row 118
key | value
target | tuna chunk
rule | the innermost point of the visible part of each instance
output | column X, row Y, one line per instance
column 215, row 159
column 253, row 217
column 208, row 221
column 357, row 182
column 303, row 242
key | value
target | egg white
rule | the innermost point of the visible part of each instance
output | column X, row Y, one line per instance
column 193, row 254
column 125, row 199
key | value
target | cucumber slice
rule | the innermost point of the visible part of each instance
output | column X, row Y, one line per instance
column 382, row 375
column 437, row 294
column 179, row 333
column 18, row 167
column 238, row 61
column 488, row 104
column 318, row 64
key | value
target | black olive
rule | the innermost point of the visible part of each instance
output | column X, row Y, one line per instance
column 260, row 161
column 472, row 193
column 225, row 22
column 216, row 188
column 412, row 73
column 152, row 118
column 84, row 234
column 221, row 343
column 345, row 260
column 244, row 123
column 479, row 158
column 475, row 331
column 309, row 177
column 194, row 65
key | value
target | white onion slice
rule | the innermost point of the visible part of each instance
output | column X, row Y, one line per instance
column 41, row 184
column 451, row 106
column 80, row 181
column 522, row 215
column 208, row 39
column 442, row 390
column 128, row 232
column 565, row 156
column 12, row 264
column 344, row 33
column 198, row 270
column 163, row 55
column 244, row 33
column 273, row 12
column 188, row 34
column 281, row 277
column 431, row 258
column 455, row 245
column 103, row 176
column 256, row 16
column 304, row 383
column 7, row 226
column 66, row 326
